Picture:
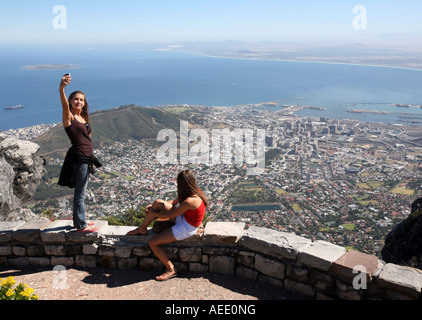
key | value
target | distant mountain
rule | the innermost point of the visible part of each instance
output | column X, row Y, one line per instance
column 118, row 124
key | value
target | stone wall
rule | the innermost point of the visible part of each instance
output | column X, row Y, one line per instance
column 316, row 270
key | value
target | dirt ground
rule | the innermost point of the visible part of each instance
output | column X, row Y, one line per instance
column 107, row 284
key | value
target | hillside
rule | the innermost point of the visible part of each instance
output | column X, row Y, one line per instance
column 118, row 124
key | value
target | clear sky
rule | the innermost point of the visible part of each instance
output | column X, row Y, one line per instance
column 91, row 21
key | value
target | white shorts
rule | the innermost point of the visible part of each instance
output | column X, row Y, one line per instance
column 182, row 229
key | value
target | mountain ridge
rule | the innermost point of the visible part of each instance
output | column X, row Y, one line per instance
column 117, row 124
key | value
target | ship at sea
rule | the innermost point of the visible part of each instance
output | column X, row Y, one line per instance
column 19, row 106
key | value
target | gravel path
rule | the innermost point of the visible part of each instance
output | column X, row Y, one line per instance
column 106, row 284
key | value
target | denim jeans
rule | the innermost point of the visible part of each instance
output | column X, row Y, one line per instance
column 81, row 184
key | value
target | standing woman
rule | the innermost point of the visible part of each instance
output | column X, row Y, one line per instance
column 79, row 159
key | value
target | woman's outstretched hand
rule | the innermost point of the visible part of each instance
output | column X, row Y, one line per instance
column 65, row 81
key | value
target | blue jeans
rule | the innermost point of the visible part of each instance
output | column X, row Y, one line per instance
column 81, row 184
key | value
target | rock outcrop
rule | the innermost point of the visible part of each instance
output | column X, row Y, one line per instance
column 21, row 169
column 403, row 245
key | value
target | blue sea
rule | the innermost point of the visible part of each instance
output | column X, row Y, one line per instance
column 115, row 76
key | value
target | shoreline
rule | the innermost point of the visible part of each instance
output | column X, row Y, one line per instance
column 297, row 61
column 23, row 131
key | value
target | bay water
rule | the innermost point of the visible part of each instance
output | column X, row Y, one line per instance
column 113, row 76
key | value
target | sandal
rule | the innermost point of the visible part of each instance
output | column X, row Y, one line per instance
column 166, row 276
column 88, row 229
column 89, row 224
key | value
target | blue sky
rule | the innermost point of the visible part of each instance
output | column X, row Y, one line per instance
column 25, row 21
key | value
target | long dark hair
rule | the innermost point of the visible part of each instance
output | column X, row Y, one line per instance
column 84, row 112
column 187, row 187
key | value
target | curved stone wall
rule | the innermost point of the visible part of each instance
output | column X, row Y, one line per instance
column 318, row 270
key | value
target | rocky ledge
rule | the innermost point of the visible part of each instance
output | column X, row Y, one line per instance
column 21, row 169
column 315, row 270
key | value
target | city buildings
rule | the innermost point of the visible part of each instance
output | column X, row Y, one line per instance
column 343, row 181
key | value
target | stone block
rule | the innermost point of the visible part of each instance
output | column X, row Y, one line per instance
column 62, row 261
column 56, row 231
column 274, row 243
column 21, row 261
column 405, row 280
column 150, row 264
column 352, row 263
column 5, row 250
column 247, row 273
column 347, row 292
column 270, row 267
column 179, row 266
column 90, row 248
column 204, row 259
column 142, row 251
column 72, row 250
column 215, row 251
column 106, row 251
column 19, row 251
column 297, row 273
column 122, row 252
column 35, row 251
column 194, row 241
column 223, row 232
column 320, row 255
column 190, row 254
column 120, row 233
column 322, row 281
column 55, row 250
column 86, row 261
column 300, row 288
column 222, row 264
column 81, row 237
column 30, row 231
column 7, row 228
column 39, row 261
column 246, row 258
column 127, row 263
column 198, row 267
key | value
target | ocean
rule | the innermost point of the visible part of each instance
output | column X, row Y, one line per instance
column 115, row 76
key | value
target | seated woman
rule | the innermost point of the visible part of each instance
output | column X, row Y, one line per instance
column 188, row 217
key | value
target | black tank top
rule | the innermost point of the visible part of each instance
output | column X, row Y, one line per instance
column 78, row 134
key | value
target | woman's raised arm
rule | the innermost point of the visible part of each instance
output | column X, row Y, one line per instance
column 67, row 115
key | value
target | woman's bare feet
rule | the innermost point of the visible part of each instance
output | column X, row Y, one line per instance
column 138, row 231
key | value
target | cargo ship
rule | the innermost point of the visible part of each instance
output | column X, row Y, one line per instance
column 19, row 106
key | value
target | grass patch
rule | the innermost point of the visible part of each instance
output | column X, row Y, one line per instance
column 369, row 185
column 349, row 226
column 404, row 191
column 366, row 203
column 296, row 207
column 363, row 185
